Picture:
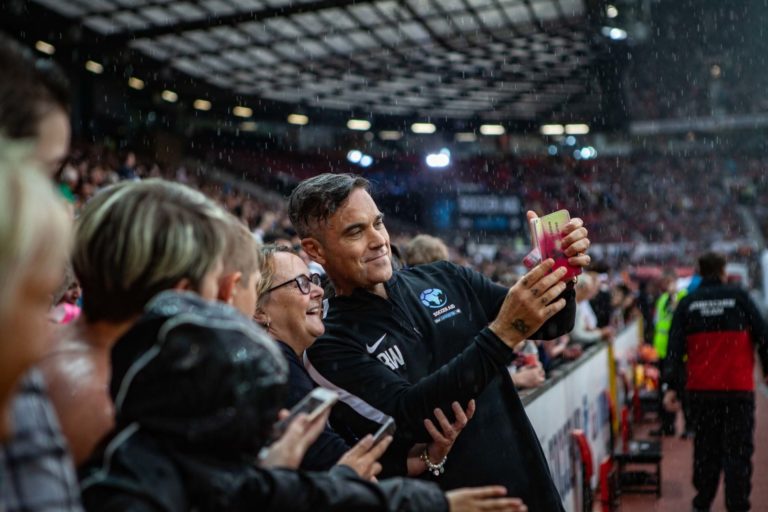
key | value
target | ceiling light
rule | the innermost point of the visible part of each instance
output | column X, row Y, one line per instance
column 366, row 161
column 552, row 129
column 202, row 105
column 439, row 160
column 241, row 111
column 94, row 67
column 355, row 156
column 390, row 135
column 135, row 83
column 492, row 129
column 465, row 137
column 611, row 11
column 169, row 96
column 577, row 129
column 46, row 48
column 358, row 124
column 615, row 33
column 248, row 126
column 423, row 128
column 299, row 119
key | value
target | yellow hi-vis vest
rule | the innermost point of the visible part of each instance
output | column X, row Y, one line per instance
column 664, row 313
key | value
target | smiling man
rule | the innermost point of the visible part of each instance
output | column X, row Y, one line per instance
column 403, row 343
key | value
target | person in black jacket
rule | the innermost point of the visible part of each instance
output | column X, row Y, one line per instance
column 717, row 327
column 196, row 385
column 197, row 388
column 404, row 343
column 289, row 307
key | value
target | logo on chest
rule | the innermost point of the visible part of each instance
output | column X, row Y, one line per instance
column 435, row 298
column 392, row 357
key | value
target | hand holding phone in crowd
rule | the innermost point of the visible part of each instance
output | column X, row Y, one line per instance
column 297, row 429
column 298, row 435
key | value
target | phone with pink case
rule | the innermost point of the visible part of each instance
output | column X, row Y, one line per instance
column 547, row 236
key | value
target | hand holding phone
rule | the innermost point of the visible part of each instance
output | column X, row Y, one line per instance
column 387, row 429
column 547, row 239
column 315, row 403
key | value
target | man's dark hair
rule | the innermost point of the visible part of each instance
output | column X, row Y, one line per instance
column 32, row 87
column 316, row 199
column 711, row 265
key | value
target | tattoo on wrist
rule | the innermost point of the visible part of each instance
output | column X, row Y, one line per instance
column 520, row 325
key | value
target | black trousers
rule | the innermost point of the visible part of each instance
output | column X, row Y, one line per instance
column 724, row 441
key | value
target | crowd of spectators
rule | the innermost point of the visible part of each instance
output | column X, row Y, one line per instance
column 157, row 375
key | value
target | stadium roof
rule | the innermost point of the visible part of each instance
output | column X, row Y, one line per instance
column 474, row 60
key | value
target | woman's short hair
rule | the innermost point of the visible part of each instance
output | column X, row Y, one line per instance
column 267, row 269
column 136, row 239
column 34, row 222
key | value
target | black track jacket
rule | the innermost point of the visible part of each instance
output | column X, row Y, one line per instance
column 425, row 347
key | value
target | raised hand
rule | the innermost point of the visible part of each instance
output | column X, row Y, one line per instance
column 443, row 439
column 527, row 304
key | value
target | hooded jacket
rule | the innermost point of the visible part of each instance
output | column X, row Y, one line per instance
column 197, row 388
column 426, row 346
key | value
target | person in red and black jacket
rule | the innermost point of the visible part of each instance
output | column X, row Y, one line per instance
column 717, row 327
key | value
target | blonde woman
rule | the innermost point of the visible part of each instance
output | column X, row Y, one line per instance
column 34, row 245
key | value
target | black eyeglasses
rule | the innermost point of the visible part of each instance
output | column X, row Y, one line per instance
column 302, row 281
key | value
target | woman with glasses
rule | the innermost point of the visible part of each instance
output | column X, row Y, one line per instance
column 290, row 308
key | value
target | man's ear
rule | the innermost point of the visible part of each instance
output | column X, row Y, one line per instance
column 228, row 287
column 314, row 249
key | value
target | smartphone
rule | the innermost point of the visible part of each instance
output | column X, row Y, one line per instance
column 387, row 429
column 547, row 236
column 315, row 403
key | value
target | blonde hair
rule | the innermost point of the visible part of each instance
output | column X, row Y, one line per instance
column 267, row 269
column 136, row 239
column 425, row 249
column 33, row 220
column 242, row 253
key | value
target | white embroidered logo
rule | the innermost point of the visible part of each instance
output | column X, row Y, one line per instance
column 372, row 348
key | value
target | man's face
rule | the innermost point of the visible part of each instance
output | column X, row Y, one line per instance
column 53, row 134
column 353, row 246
